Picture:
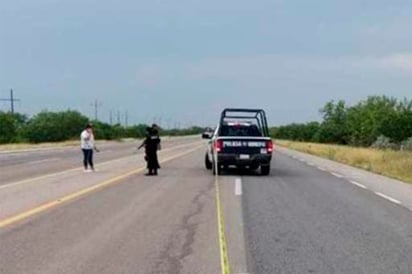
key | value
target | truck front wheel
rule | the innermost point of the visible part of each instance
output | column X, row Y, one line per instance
column 265, row 170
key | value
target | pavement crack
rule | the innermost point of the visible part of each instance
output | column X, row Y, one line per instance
column 180, row 242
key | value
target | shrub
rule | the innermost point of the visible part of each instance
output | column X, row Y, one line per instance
column 383, row 142
column 407, row 144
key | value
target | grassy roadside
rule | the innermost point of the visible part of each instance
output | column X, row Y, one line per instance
column 28, row 146
column 390, row 163
column 24, row 146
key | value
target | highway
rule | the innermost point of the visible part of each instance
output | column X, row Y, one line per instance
column 309, row 216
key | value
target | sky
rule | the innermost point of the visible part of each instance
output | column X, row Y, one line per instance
column 180, row 63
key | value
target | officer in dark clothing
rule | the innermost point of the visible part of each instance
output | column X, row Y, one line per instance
column 151, row 144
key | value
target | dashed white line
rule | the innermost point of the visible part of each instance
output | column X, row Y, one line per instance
column 337, row 175
column 238, row 187
column 388, row 198
column 358, row 184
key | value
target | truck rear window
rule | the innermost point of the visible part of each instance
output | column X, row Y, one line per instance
column 240, row 131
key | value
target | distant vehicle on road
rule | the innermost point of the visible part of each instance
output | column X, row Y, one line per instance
column 242, row 140
column 208, row 133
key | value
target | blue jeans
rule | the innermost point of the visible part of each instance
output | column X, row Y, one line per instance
column 88, row 158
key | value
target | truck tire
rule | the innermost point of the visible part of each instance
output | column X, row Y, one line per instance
column 254, row 167
column 208, row 163
column 265, row 170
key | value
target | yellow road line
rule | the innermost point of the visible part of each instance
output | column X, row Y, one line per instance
column 39, row 209
column 224, row 258
column 68, row 171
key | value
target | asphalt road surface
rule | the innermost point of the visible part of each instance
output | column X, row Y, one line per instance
column 308, row 216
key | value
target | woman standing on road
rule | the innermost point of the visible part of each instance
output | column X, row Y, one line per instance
column 87, row 146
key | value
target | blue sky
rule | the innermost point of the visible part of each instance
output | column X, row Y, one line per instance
column 186, row 60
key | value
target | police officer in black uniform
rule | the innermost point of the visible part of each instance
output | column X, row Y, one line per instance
column 152, row 144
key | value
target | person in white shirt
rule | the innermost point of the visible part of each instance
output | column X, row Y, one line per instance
column 87, row 146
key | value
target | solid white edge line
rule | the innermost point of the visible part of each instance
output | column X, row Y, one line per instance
column 238, row 187
column 388, row 198
column 322, row 169
column 358, row 184
column 337, row 175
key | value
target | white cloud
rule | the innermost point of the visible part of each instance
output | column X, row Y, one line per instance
column 271, row 71
column 401, row 61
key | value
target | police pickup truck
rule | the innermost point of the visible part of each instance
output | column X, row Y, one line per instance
column 242, row 140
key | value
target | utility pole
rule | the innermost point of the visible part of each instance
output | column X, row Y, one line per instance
column 118, row 118
column 111, row 117
column 126, row 118
column 11, row 100
column 160, row 121
column 96, row 106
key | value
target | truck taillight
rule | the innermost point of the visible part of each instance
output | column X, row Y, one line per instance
column 218, row 145
column 269, row 146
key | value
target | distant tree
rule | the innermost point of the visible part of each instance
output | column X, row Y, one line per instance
column 359, row 125
column 366, row 120
column 54, row 126
column 298, row 132
column 7, row 127
column 334, row 128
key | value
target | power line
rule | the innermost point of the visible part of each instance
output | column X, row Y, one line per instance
column 11, row 100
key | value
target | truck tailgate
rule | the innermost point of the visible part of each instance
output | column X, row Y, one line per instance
column 234, row 145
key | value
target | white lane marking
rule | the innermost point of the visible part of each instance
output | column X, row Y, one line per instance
column 322, row 169
column 302, row 160
column 68, row 171
column 310, row 164
column 42, row 161
column 388, row 198
column 336, row 175
column 238, row 187
column 358, row 184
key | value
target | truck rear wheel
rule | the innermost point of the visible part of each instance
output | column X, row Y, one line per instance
column 265, row 170
column 208, row 164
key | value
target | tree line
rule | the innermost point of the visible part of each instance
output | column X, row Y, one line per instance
column 49, row 126
column 376, row 121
